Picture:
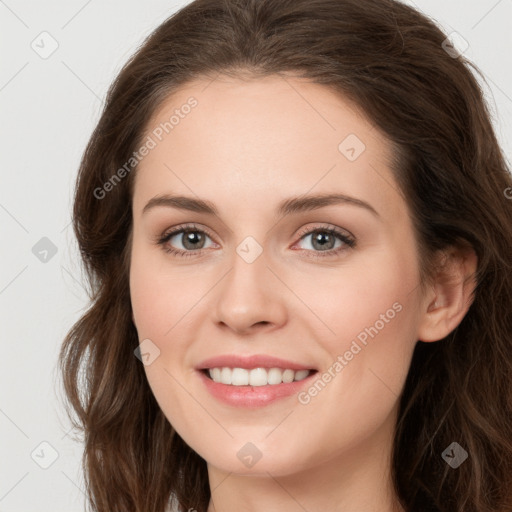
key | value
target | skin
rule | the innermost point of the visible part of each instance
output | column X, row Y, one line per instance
column 248, row 145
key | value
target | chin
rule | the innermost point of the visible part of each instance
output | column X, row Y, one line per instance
column 253, row 459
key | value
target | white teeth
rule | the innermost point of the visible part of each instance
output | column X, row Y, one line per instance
column 288, row 376
column 239, row 377
column 301, row 374
column 274, row 376
column 256, row 376
column 215, row 374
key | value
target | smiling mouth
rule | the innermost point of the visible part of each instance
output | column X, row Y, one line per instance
column 256, row 376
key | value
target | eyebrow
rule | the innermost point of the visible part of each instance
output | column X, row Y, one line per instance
column 288, row 206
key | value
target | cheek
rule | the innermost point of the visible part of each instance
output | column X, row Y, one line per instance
column 374, row 292
column 159, row 304
column 162, row 303
column 371, row 313
column 160, row 298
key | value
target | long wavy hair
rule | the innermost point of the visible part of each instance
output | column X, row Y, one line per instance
column 391, row 61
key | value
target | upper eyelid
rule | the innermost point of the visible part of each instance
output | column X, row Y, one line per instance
column 326, row 226
column 185, row 227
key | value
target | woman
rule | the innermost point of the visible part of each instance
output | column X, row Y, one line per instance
column 296, row 223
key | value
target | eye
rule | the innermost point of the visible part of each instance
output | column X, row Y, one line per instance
column 323, row 241
column 189, row 236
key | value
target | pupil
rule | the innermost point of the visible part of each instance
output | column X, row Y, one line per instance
column 320, row 238
column 189, row 239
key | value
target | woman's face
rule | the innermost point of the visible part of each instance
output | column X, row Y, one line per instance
column 262, row 277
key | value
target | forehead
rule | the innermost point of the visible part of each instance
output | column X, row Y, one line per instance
column 262, row 139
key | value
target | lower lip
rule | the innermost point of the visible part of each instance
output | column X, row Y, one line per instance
column 253, row 396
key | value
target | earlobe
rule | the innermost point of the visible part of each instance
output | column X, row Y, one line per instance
column 451, row 295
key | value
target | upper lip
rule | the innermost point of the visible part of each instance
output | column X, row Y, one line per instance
column 250, row 362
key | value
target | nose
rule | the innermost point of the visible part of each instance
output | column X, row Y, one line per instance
column 250, row 297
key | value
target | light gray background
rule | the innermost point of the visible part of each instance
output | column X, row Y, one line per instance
column 49, row 108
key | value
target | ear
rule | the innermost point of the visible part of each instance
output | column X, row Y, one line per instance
column 451, row 294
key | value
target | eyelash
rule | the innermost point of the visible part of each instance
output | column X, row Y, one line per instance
column 348, row 241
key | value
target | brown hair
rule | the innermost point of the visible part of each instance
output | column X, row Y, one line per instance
column 389, row 59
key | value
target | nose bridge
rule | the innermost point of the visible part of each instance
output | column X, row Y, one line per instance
column 249, row 293
column 247, row 280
